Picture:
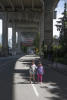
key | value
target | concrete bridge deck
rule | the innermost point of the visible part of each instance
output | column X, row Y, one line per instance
column 26, row 17
column 14, row 81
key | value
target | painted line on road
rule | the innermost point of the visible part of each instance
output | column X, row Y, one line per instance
column 35, row 90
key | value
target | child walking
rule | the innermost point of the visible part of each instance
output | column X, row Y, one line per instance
column 32, row 71
column 40, row 72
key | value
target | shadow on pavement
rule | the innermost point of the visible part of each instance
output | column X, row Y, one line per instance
column 25, row 76
column 25, row 72
column 6, row 82
column 57, row 84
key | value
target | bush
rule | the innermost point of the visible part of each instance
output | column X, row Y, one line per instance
column 61, row 60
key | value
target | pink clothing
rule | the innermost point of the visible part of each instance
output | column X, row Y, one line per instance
column 39, row 77
column 40, row 72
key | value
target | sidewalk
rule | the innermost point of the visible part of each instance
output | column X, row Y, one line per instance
column 55, row 65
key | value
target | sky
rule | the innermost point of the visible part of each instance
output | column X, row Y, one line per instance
column 59, row 9
column 0, row 26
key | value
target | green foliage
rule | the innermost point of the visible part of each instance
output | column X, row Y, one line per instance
column 63, row 32
column 37, row 40
column 44, row 49
column 24, row 49
column 62, row 51
column 59, row 54
column 0, row 46
column 62, row 60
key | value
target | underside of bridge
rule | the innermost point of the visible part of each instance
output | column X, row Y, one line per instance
column 25, row 17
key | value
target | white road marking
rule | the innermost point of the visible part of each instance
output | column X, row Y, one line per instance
column 51, row 87
column 34, row 88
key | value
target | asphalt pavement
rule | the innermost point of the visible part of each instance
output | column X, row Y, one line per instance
column 15, row 85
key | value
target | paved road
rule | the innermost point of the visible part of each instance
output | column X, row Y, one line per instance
column 14, row 82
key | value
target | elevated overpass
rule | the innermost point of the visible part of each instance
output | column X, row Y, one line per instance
column 27, row 16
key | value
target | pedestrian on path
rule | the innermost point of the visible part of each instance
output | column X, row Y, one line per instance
column 40, row 72
column 32, row 71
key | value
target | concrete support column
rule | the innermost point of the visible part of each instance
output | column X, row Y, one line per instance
column 14, row 40
column 48, row 23
column 41, row 29
column 48, row 28
column 19, row 41
column 5, row 35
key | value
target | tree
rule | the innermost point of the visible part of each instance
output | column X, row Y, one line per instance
column 36, row 40
column 63, row 29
